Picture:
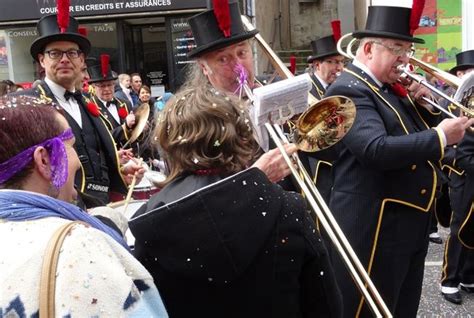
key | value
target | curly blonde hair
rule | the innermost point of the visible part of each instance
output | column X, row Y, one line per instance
column 202, row 129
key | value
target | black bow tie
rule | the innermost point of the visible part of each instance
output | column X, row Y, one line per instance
column 76, row 95
column 108, row 104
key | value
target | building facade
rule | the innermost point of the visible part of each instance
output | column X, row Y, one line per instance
column 150, row 37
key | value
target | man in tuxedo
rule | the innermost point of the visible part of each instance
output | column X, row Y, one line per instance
column 385, row 171
column 326, row 64
column 115, row 112
column 61, row 51
column 458, row 263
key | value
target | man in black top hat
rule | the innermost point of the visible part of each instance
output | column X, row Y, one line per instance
column 116, row 113
column 222, row 44
column 61, row 50
column 326, row 65
column 458, row 263
column 385, row 174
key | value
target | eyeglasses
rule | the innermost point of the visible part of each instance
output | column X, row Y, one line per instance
column 397, row 51
column 105, row 85
column 58, row 54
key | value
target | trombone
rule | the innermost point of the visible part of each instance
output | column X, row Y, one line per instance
column 448, row 78
column 327, row 120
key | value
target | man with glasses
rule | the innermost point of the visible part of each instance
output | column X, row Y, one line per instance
column 326, row 63
column 61, row 52
column 116, row 113
column 385, row 172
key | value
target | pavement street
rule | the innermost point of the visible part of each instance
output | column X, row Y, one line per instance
column 432, row 304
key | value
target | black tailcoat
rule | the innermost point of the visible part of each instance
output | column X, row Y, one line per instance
column 236, row 247
column 119, row 130
column 458, row 265
column 384, row 187
column 107, row 144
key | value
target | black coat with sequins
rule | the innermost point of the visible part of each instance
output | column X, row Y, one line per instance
column 234, row 247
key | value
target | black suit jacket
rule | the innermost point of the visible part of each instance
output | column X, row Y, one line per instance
column 317, row 89
column 117, row 183
column 464, row 190
column 119, row 130
column 389, row 155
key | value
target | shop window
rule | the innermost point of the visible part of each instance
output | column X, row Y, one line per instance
column 17, row 64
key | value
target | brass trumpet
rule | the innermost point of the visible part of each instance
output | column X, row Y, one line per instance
column 463, row 86
column 323, row 124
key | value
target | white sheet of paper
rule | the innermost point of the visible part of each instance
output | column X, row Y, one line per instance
column 280, row 101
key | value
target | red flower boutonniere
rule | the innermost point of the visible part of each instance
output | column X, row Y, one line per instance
column 93, row 109
column 399, row 90
column 122, row 112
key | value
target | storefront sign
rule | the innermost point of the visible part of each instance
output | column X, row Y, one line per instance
column 33, row 10
column 182, row 43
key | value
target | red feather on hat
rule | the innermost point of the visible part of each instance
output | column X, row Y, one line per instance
column 104, row 63
column 63, row 15
column 416, row 11
column 222, row 14
column 336, row 29
column 82, row 31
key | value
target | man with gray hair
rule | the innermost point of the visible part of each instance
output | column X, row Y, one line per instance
column 217, row 56
column 386, row 171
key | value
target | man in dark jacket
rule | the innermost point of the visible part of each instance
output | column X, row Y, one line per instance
column 385, row 175
column 115, row 112
column 61, row 50
column 217, row 54
column 458, row 263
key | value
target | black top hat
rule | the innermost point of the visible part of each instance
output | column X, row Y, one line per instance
column 49, row 31
column 208, row 35
column 464, row 60
column 388, row 22
column 323, row 47
column 101, row 72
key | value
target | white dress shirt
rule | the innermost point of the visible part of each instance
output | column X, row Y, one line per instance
column 112, row 110
column 323, row 82
column 70, row 106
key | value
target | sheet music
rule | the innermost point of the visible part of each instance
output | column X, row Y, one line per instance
column 280, row 101
column 277, row 103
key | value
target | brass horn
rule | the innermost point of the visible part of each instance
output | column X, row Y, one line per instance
column 322, row 115
column 448, row 78
column 462, row 86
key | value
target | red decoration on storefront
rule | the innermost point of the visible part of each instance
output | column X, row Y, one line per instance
column 416, row 11
column 63, row 15
column 222, row 14
column 336, row 29
column 93, row 109
column 293, row 64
